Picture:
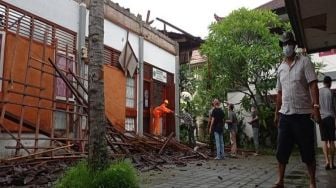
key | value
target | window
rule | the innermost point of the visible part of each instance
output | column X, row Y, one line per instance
column 59, row 120
column 64, row 64
column 130, row 92
column 130, row 124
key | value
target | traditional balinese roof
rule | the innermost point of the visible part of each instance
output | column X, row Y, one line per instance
column 277, row 6
column 272, row 5
column 197, row 58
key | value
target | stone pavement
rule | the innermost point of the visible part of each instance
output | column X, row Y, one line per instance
column 252, row 171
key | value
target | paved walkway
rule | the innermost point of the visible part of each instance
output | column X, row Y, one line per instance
column 253, row 171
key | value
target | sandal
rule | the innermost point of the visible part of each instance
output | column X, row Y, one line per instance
column 333, row 166
column 277, row 185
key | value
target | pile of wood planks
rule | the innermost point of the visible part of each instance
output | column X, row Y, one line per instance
column 149, row 151
column 39, row 173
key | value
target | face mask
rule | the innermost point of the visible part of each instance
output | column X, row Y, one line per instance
column 288, row 50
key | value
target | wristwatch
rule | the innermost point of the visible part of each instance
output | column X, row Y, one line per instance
column 316, row 106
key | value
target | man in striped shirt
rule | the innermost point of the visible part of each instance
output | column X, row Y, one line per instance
column 297, row 99
column 188, row 122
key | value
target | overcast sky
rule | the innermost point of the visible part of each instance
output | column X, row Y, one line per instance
column 193, row 16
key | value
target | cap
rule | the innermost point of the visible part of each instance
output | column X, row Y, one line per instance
column 166, row 101
column 286, row 37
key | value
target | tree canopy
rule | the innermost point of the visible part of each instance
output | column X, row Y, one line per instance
column 243, row 53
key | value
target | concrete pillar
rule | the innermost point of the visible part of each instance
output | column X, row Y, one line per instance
column 140, row 87
column 177, row 92
column 81, row 63
column 81, row 37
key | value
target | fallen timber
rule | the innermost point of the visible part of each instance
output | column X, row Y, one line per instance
column 147, row 152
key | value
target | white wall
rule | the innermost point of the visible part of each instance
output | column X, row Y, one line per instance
column 329, row 61
column 115, row 37
column 158, row 57
column 5, row 153
column 61, row 12
column 66, row 13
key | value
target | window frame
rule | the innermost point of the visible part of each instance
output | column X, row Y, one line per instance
column 62, row 53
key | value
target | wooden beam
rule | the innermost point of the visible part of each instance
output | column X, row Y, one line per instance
column 38, row 153
column 17, row 140
column 166, row 142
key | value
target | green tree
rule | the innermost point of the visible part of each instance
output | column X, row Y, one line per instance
column 97, row 159
column 243, row 55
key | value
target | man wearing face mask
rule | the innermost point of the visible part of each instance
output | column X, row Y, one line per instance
column 297, row 99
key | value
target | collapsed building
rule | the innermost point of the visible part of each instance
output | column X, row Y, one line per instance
column 43, row 70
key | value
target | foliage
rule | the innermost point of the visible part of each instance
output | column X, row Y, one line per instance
column 183, row 135
column 243, row 55
column 192, row 80
column 187, row 78
column 77, row 176
column 118, row 175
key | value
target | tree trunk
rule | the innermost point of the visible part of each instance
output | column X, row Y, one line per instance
column 97, row 144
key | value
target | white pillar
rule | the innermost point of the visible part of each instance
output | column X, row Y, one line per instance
column 177, row 92
column 140, row 87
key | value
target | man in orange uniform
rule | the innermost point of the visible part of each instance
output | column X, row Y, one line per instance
column 157, row 114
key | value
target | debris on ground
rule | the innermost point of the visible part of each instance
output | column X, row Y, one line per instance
column 147, row 152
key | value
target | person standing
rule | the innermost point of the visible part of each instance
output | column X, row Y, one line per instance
column 297, row 98
column 232, row 122
column 327, row 129
column 188, row 122
column 216, row 125
column 255, row 127
column 211, row 134
column 158, row 112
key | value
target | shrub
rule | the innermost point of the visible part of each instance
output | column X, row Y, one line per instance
column 76, row 176
column 120, row 174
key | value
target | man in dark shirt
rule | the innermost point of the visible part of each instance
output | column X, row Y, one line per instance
column 216, row 125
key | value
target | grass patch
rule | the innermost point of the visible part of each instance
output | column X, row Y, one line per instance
column 120, row 174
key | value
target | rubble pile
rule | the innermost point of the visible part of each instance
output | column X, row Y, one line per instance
column 147, row 152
